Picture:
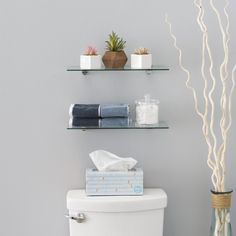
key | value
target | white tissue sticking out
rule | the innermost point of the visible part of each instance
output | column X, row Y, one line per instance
column 107, row 161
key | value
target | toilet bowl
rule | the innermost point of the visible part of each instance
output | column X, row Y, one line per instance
column 116, row 215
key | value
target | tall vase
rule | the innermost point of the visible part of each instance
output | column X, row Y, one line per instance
column 220, row 224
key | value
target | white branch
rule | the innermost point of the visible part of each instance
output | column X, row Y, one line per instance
column 211, row 164
column 216, row 158
column 224, row 76
column 205, row 45
column 184, row 69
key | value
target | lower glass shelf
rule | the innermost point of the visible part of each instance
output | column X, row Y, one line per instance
column 92, row 124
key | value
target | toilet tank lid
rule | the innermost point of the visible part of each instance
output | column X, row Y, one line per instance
column 77, row 200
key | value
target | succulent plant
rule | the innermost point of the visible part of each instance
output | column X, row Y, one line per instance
column 90, row 51
column 115, row 43
column 141, row 51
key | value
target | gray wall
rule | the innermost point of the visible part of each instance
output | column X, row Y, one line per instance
column 41, row 160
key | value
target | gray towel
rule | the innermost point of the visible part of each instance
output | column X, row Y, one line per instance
column 114, row 110
column 114, row 122
column 84, row 110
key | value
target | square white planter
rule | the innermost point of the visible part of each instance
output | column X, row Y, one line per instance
column 141, row 61
column 90, row 62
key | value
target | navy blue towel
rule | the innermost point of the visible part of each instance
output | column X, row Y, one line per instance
column 83, row 122
column 84, row 110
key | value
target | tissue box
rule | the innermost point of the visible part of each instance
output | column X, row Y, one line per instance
column 114, row 183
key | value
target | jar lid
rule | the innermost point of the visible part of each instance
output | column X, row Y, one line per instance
column 147, row 100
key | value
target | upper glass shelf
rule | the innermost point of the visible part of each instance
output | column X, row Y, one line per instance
column 126, row 68
column 100, row 124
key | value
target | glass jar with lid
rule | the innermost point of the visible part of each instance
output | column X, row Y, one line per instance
column 147, row 111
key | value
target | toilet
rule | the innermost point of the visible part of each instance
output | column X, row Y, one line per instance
column 116, row 215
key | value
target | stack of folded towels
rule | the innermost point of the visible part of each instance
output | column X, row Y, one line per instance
column 96, row 115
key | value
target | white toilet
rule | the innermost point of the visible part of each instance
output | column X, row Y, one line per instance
column 116, row 215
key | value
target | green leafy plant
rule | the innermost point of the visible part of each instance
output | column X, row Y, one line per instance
column 115, row 43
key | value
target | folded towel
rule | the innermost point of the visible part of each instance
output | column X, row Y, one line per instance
column 84, row 110
column 83, row 122
column 114, row 122
column 114, row 110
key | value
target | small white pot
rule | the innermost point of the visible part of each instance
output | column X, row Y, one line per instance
column 90, row 62
column 141, row 61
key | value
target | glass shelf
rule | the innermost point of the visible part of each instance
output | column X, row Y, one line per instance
column 126, row 68
column 128, row 125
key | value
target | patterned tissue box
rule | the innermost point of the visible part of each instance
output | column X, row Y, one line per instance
column 114, row 183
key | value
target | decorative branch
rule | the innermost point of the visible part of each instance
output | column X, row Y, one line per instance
column 216, row 155
column 223, row 75
column 205, row 45
column 203, row 27
column 210, row 163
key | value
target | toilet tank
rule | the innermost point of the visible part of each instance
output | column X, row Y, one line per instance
column 116, row 215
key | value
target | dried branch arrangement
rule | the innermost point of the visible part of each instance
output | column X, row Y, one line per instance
column 216, row 145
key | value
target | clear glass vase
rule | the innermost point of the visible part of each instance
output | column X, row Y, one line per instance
column 220, row 223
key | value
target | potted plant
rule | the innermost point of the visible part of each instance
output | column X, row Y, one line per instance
column 90, row 59
column 115, row 56
column 141, row 59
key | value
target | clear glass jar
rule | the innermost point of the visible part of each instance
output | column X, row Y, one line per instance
column 147, row 110
column 220, row 222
